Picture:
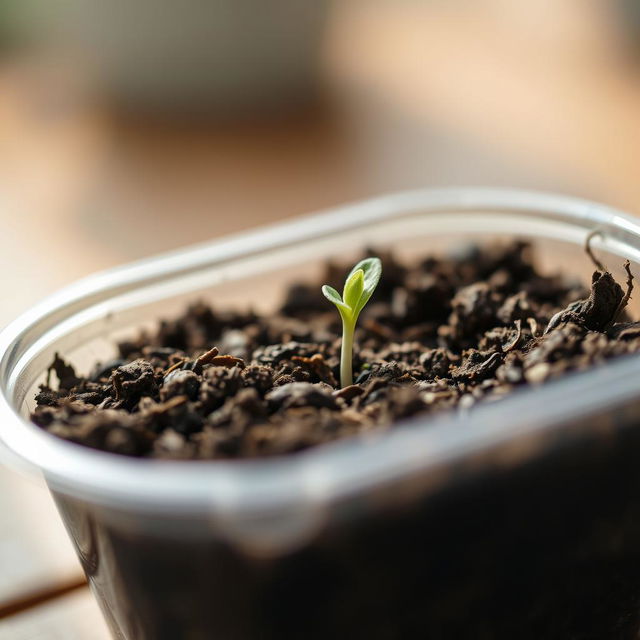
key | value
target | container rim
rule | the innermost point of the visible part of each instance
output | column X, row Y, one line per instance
column 333, row 471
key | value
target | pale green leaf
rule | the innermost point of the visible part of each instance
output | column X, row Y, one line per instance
column 333, row 296
column 353, row 289
column 372, row 269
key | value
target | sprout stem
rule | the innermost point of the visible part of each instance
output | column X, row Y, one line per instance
column 346, row 354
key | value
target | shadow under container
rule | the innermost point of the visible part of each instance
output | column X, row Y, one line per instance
column 519, row 519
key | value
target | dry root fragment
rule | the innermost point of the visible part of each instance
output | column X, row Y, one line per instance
column 589, row 251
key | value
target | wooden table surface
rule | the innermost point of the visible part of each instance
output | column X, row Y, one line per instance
column 423, row 94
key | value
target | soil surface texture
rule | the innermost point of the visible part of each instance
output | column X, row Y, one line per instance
column 440, row 334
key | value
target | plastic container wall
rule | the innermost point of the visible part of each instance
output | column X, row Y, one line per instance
column 509, row 521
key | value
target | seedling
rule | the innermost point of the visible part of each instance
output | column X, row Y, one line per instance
column 358, row 288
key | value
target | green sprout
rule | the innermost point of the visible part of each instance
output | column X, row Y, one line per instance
column 358, row 288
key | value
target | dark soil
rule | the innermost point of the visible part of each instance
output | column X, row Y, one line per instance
column 437, row 335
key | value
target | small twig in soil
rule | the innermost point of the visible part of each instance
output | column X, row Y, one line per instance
column 174, row 366
column 226, row 361
column 205, row 358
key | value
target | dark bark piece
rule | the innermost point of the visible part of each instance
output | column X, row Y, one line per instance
column 597, row 311
column 65, row 372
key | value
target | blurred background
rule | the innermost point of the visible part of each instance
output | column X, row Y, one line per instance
column 131, row 127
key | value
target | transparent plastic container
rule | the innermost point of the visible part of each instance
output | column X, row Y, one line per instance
column 516, row 519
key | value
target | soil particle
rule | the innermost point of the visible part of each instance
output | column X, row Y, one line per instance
column 476, row 366
column 180, row 383
column 107, row 430
column 301, row 394
column 132, row 381
column 318, row 369
column 218, row 384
